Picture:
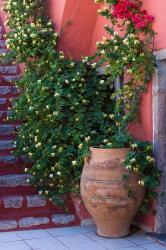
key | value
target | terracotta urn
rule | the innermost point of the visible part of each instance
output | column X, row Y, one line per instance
column 105, row 191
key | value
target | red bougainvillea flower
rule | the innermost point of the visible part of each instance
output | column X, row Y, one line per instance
column 125, row 9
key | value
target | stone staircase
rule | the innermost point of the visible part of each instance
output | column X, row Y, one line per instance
column 20, row 205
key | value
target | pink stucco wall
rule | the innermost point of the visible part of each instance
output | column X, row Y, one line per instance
column 83, row 28
column 2, row 14
column 158, row 9
column 56, row 10
column 77, row 20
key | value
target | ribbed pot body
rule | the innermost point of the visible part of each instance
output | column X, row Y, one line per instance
column 105, row 191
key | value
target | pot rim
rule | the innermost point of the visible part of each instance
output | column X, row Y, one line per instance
column 107, row 149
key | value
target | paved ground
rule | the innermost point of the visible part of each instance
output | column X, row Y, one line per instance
column 73, row 238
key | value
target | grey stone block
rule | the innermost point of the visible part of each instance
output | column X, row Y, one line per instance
column 14, row 180
column 36, row 201
column 7, row 224
column 7, row 144
column 3, row 51
column 159, row 139
column 31, row 221
column 4, row 90
column 3, row 101
column 8, row 159
column 10, row 78
column 1, row 29
column 8, row 69
column 6, row 129
column 4, row 113
column 160, row 54
column 13, row 201
column 63, row 218
column 2, row 43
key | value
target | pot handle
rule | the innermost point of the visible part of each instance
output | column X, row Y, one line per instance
column 88, row 158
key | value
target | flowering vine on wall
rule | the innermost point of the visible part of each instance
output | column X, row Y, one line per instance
column 67, row 107
column 64, row 104
column 127, row 52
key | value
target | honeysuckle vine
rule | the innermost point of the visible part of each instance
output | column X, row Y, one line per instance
column 66, row 106
column 126, row 51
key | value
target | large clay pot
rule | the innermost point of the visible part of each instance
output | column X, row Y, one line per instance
column 105, row 192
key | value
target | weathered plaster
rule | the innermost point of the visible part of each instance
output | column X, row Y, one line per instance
column 159, row 134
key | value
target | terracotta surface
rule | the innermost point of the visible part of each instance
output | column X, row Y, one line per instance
column 104, row 194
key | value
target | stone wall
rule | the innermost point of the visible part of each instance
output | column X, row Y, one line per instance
column 159, row 136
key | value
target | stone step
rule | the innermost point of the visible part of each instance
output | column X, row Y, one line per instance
column 10, row 78
column 14, row 180
column 16, row 184
column 11, row 159
column 8, row 69
column 11, row 168
column 6, row 145
column 23, row 205
column 5, row 103
column 17, row 202
column 3, row 51
column 1, row 29
column 2, row 43
column 9, row 164
column 8, row 91
column 54, row 220
column 3, row 115
column 8, row 129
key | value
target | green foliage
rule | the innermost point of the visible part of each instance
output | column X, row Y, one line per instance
column 65, row 105
column 141, row 161
column 128, row 53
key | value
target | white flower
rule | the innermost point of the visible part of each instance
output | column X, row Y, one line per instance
column 56, row 94
column 134, row 145
column 102, row 81
column 58, row 173
column 80, row 146
column 87, row 138
column 136, row 42
column 149, row 158
column 133, row 160
column 111, row 116
column 51, row 175
column 93, row 65
column 74, row 163
column 141, row 183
